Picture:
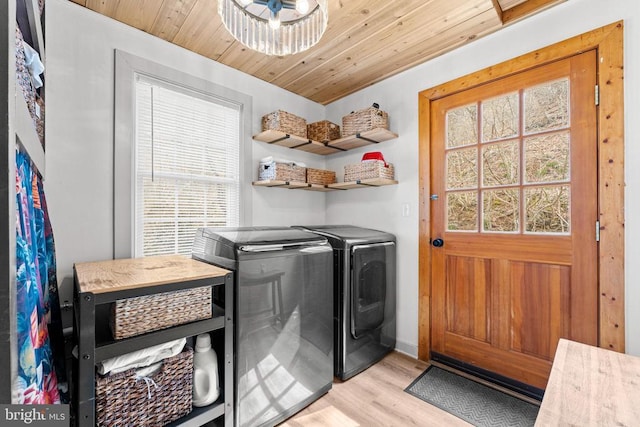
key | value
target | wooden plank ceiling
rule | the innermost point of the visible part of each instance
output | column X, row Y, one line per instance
column 365, row 42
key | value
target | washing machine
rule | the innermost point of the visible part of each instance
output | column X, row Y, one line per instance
column 364, row 295
column 283, row 330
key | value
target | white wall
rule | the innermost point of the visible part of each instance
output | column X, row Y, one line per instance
column 381, row 208
column 80, row 106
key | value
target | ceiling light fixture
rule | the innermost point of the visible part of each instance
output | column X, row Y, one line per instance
column 275, row 27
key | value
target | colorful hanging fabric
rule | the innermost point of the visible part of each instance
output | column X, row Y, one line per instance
column 56, row 336
column 36, row 382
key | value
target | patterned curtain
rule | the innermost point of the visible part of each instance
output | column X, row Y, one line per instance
column 37, row 382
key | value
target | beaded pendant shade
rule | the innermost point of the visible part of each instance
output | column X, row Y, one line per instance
column 275, row 27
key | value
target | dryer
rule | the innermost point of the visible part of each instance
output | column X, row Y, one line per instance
column 364, row 295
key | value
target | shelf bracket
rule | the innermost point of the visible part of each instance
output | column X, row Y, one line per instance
column 335, row 148
column 373, row 141
column 365, row 184
column 287, row 136
column 301, row 145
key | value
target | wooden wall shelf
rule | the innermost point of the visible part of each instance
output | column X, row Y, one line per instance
column 361, row 139
column 291, row 185
column 295, row 142
column 363, row 183
column 373, row 182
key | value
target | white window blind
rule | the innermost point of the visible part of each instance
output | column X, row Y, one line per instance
column 186, row 166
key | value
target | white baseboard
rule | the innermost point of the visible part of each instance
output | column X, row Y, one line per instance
column 408, row 349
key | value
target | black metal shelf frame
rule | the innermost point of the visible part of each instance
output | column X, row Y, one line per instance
column 93, row 347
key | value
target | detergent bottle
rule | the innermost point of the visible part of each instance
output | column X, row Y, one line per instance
column 205, row 372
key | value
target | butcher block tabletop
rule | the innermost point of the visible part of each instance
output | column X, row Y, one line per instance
column 120, row 274
column 591, row 386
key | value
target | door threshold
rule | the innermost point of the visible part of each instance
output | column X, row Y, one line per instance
column 506, row 385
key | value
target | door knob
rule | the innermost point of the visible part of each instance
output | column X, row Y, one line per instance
column 438, row 243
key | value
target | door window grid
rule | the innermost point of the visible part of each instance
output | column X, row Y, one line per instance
column 522, row 185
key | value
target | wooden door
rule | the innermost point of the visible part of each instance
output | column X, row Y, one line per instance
column 514, row 178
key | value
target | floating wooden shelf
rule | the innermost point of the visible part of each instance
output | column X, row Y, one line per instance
column 361, row 139
column 292, row 185
column 372, row 136
column 373, row 182
column 362, row 183
column 296, row 142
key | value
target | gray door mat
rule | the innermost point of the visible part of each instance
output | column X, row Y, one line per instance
column 471, row 401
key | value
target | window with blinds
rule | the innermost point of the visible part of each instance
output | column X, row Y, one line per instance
column 187, row 157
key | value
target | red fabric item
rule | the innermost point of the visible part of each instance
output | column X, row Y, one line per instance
column 374, row 155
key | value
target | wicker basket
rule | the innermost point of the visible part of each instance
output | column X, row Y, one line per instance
column 285, row 122
column 367, row 170
column 364, row 120
column 123, row 399
column 323, row 131
column 135, row 316
column 281, row 172
column 320, row 176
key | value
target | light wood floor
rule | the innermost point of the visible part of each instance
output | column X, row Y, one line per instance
column 375, row 397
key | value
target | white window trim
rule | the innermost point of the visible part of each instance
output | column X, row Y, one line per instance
column 126, row 68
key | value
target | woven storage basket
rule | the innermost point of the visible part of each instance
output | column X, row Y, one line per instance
column 320, row 176
column 364, row 120
column 285, row 122
column 367, row 170
column 123, row 399
column 135, row 316
column 282, row 172
column 323, row 131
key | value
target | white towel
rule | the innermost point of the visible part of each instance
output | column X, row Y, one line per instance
column 33, row 63
column 140, row 358
column 271, row 159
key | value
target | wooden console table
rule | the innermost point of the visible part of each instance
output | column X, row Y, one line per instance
column 591, row 386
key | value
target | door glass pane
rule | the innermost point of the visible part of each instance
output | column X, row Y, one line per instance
column 500, row 117
column 462, row 168
column 547, row 158
column 546, row 107
column 547, row 209
column 500, row 164
column 501, row 210
column 462, row 211
column 462, row 126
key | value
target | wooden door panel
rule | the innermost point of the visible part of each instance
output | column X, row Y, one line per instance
column 542, row 249
column 531, row 301
column 526, row 368
column 468, row 297
column 540, row 310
